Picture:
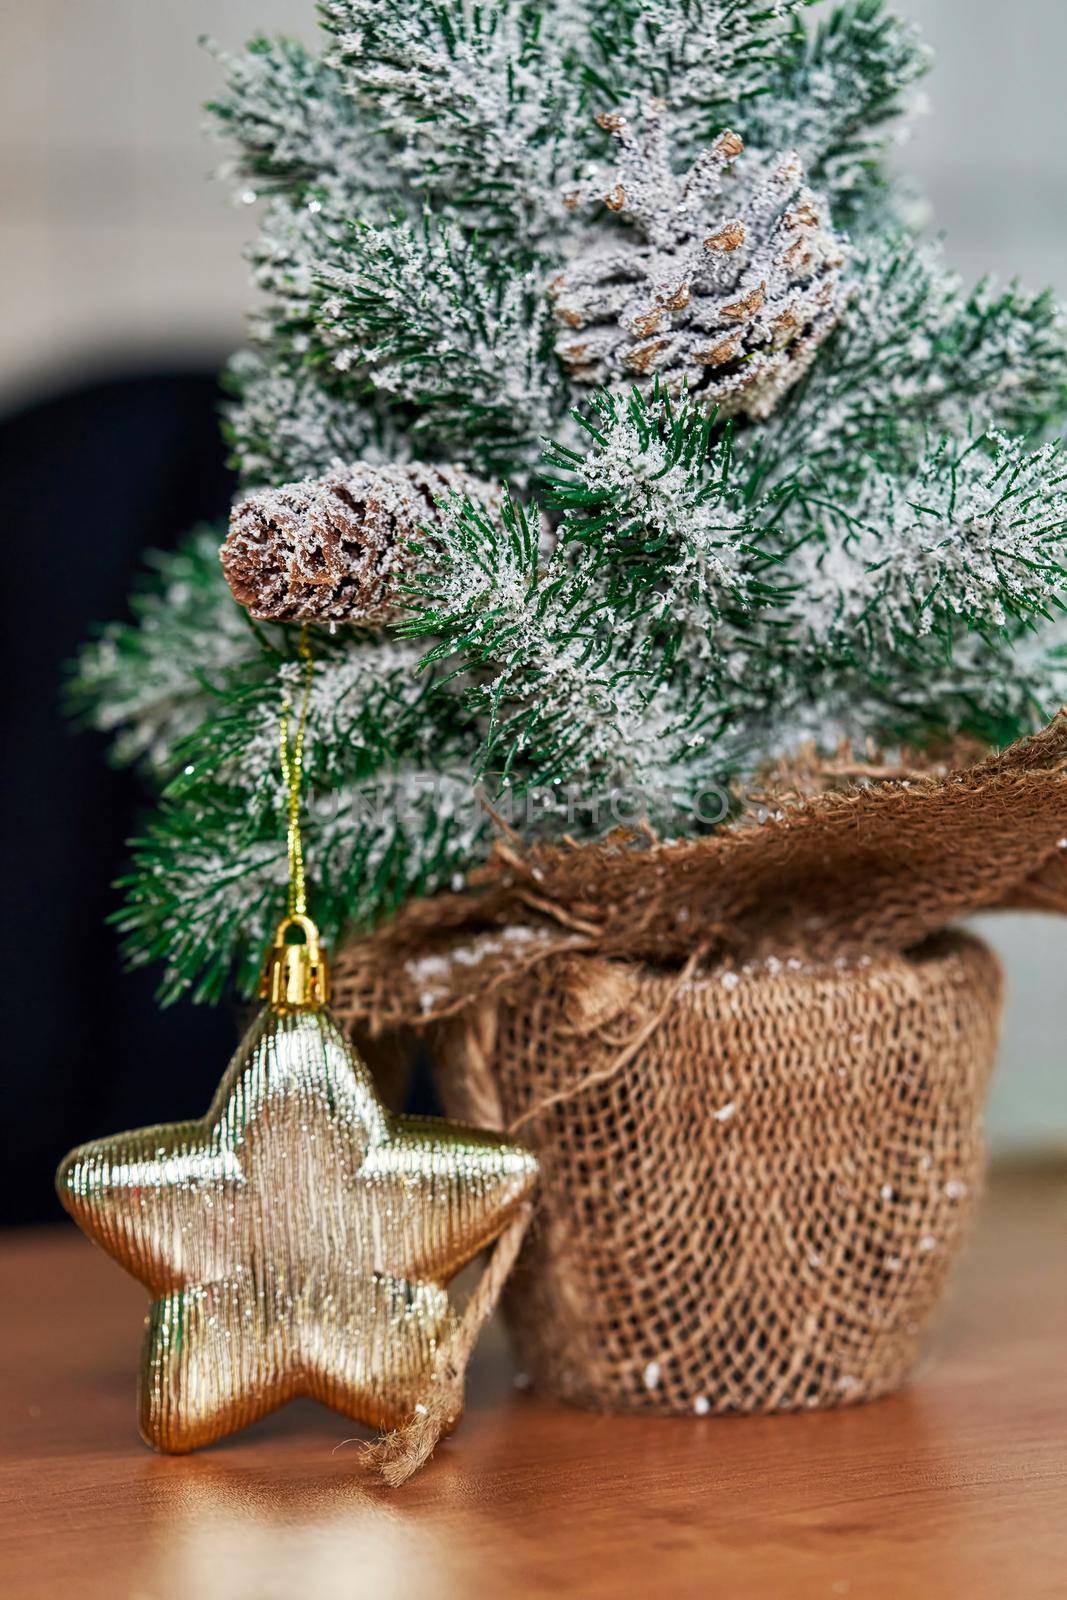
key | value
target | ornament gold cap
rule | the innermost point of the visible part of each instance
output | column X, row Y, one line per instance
column 295, row 975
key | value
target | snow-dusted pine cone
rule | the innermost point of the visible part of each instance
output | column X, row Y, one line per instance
column 728, row 278
column 336, row 548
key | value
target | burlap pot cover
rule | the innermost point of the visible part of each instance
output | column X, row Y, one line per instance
column 757, row 1209
column 755, row 1170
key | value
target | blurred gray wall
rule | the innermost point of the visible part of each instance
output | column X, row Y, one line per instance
column 991, row 154
column 114, row 245
column 116, row 249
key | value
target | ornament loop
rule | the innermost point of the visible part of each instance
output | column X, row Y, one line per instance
column 295, row 976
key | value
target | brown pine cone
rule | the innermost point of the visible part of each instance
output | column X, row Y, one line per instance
column 725, row 280
column 336, row 548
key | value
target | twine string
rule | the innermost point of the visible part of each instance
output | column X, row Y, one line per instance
column 622, row 1059
column 397, row 1456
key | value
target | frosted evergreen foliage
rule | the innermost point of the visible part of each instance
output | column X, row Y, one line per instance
column 659, row 501
column 291, row 124
column 703, row 57
column 918, row 359
column 390, row 791
column 151, row 682
column 835, row 98
column 431, row 322
column 604, row 667
column 974, row 539
column 656, row 598
column 291, row 426
column 476, row 99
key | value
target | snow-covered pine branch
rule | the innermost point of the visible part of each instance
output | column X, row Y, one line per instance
column 552, row 686
column 479, row 101
column 992, row 689
column 391, row 811
column 290, row 124
column 917, row 358
column 153, row 681
column 653, row 494
column 298, row 138
column 831, row 96
column 286, row 420
column 438, row 324
column 976, row 538
column 704, row 58
column 205, row 885
column 605, row 665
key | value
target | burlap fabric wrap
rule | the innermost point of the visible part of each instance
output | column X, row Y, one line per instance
column 752, row 1068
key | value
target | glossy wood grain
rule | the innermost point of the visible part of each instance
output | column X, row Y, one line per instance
column 954, row 1490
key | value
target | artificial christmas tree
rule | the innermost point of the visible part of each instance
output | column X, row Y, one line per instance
column 605, row 402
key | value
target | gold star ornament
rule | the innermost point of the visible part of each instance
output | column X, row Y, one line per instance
column 296, row 1240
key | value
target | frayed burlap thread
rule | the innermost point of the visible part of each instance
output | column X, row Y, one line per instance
column 398, row 1455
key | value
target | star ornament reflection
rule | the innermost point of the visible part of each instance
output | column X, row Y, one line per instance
column 296, row 1240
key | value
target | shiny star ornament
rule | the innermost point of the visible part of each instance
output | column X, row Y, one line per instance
column 296, row 1240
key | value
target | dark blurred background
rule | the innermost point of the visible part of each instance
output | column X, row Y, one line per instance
column 87, row 478
column 125, row 289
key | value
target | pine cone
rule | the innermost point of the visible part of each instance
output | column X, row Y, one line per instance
column 335, row 549
column 726, row 279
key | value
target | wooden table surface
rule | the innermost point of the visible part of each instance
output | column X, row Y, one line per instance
column 953, row 1490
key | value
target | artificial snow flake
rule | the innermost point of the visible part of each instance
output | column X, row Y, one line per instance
column 726, row 280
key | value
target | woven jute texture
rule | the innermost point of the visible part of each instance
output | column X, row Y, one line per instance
column 759, row 1211
column 752, row 1067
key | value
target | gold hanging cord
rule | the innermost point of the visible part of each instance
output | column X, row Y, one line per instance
column 292, row 759
column 295, row 974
